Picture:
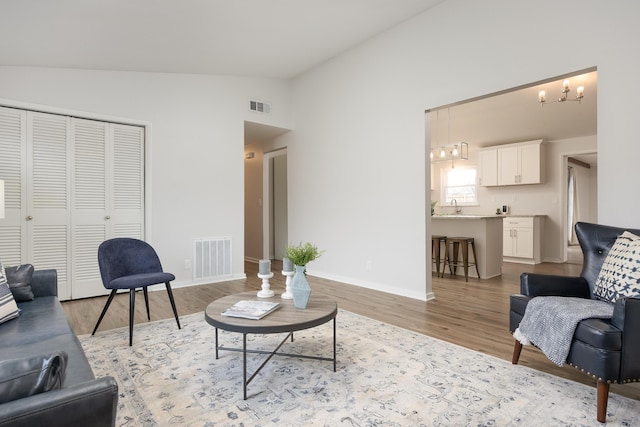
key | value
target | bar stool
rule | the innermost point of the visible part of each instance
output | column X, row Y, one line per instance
column 455, row 243
column 436, row 241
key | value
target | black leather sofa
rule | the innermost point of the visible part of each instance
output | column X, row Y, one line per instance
column 608, row 350
column 42, row 328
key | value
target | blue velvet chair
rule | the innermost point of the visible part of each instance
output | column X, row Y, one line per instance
column 127, row 263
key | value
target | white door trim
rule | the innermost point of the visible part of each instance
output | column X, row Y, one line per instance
column 267, row 197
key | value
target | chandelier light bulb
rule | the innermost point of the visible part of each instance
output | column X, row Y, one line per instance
column 442, row 153
column 455, row 150
column 542, row 96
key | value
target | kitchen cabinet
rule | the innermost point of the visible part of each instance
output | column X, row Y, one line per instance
column 512, row 164
column 521, row 239
column 488, row 161
column 520, row 163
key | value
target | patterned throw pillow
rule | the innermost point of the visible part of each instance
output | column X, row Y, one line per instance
column 8, row 307
column 620, row 273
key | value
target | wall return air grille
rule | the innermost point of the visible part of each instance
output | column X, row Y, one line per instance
column 259, row 106
column 212, row 257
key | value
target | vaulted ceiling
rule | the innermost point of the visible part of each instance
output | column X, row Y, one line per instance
column 263, row 38
column 259, row 38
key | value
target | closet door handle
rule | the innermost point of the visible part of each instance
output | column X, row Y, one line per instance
column 29, row 218
column 107, row 217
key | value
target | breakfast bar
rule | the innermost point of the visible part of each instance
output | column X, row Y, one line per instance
column 487, row 233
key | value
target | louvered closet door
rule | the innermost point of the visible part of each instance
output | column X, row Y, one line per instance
column 108, row 192
column 47, row 197
column 13, row 137
column 90, row 207
column 69, row 185
column 127, row 180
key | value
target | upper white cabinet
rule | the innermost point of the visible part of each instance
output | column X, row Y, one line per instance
column 512, row 164
column 488, row 160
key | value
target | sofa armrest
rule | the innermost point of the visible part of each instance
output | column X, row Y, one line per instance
column 626, row 317
column 92, row 403
column 535, row 285
column 44, row 283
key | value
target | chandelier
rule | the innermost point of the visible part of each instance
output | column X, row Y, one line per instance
column 449, row 152
column 459, row 151
column 564, row 96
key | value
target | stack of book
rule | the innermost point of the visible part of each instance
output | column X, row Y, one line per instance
column 251, row 309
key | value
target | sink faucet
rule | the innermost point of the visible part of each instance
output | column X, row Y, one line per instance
column 455, row 203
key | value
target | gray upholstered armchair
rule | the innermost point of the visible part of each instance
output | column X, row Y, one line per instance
column 608, row 350
column 131, row 264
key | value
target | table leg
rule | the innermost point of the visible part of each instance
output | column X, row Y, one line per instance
column 216, row 343
column 244, row 365
column 334, row 344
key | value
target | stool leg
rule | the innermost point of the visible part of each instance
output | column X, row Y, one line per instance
column 447, row 258
column 443, row 259
column 465, row 261
column 475, row 259
column 435, row 249
column 456, row 252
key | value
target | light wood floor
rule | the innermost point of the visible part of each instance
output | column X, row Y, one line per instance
column 473, row 315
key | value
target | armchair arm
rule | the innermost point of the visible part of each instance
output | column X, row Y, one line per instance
column 92, row 403
column 44, row 283
column 551, row 285
column 626, row 317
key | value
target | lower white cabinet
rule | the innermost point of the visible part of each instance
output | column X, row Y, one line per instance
column 521, row 239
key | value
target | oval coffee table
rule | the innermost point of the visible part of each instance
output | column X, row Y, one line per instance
column 286, row 319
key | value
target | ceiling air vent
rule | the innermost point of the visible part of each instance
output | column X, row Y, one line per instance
column 259, row 106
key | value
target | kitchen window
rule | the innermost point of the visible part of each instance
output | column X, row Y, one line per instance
column 460, row 183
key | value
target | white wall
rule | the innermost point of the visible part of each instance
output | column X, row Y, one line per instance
column 196, row 143
column 358, row 176
column 357, row 156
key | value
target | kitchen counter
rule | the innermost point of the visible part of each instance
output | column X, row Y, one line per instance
column 486, row 231
column 463, row 216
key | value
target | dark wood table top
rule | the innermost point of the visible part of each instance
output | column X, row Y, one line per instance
column 286, row 318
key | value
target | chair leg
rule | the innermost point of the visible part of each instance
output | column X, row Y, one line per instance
column 517, row 348
column 603, row 398
column 104, row 310
column 146, row 301
column 132, row 309
column 173, row 303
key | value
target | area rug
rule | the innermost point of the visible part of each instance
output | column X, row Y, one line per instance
column 386, row 376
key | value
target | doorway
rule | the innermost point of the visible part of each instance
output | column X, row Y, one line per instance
column 517, row 115
column 265, row 192
column 581, row 199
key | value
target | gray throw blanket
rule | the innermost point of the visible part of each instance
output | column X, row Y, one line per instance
column 550, row 322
